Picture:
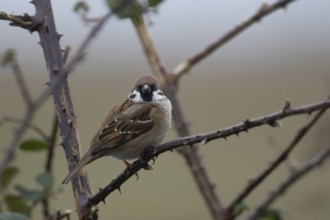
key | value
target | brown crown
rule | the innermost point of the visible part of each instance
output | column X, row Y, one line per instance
column 146, row 80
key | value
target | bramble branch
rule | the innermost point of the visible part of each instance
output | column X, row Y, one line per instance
column 287, row 183
column 275, row 164
column 270, row 119
column 264, row 10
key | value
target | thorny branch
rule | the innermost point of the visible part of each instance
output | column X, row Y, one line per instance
column 270, row 119
column 316, row 161
column 275, row 164
column 262, row 12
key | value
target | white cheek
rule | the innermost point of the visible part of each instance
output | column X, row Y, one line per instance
column 136, row 98
column 158, row 96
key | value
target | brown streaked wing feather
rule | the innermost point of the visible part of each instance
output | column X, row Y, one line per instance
column 130, row 122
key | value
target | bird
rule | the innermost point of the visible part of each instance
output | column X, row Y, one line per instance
column 141, row 121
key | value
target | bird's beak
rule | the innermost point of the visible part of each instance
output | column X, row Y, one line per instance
column 146, row 89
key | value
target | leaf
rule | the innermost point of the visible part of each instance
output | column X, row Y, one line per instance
column 271, row 214
column 46, row 180
column 16, row 204
column 31, row 195
column 240, row 208
column 81, row 6
column 8, row 57
column 126, row 9
column 6, row 177
column 33, row 145
column 154, row 3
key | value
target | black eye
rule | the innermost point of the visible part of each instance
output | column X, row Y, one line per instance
column 139, row 87
column 152, row 87
column 132, row 96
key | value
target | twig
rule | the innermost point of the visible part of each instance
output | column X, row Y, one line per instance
column 154, row 60
column 200, row 138
column 78, row 56
column 24, row 21
column 9, row 153
column 287, row 183
column 192, row 157
column 49, row 161
column 29, row 125
column 263, row 11
column 281, row 158
column 21, row 82
column 52, row 144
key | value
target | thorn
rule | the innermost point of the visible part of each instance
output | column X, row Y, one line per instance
column 119, row 189
column 153, row 160
column 100, row 189
column 171, row 150
column 287, row 105
column 103, row 201
column 70, row 122
column 274, row 124
column 191, row 146
column 59, row 36
column 237, row 134
column 247, row 122
column 225, row 138
column 137, row 176
column 56, row 71
column 204, row 141
column 47, row 29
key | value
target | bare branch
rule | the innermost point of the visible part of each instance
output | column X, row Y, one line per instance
column 262, row 12
column 29, row 125
column 200, row 138
column 10, row 151
column 9, row 58
column 49, row 161
column 152, row 55
column 79, row 55
column 275, row 164
column 287, row 183
column 21, row 83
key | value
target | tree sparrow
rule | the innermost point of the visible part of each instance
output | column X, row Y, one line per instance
column 142, row 120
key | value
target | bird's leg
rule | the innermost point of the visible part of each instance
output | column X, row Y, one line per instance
column 127, row 169
column 145, row 154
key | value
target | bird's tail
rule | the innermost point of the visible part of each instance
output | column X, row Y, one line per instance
column 85, row 160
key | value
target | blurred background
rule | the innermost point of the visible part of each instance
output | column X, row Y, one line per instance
column 284, row 56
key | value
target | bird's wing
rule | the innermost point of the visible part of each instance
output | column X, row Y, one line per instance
column 124, row 123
